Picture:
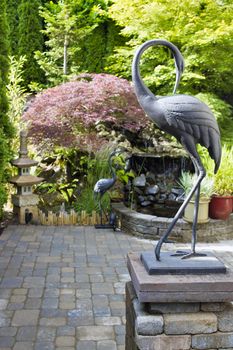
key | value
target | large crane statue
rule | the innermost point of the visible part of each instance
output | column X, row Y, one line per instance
column 189, row 120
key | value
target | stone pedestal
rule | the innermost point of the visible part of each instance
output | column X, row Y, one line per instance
column 175, row 312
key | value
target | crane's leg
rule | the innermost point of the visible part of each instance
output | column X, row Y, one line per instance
column 101, row 210
column 191, row 148
column 195, row 218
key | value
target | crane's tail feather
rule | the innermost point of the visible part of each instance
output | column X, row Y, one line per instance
column 215, row 150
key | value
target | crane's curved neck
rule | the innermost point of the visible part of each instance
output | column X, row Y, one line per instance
column 113, row 173
column 140, row 88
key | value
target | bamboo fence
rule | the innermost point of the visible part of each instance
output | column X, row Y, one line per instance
column 71, row 218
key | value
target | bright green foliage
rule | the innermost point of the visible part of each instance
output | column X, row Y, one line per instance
column 95, row 49
column 223, row 180
column 79, row 36
column 6, row 130
column 59, row 23
column 201, row 29
column 30, row 39
column 97, row 168
column 203, row 32
column 16, row 95
column 67, row 24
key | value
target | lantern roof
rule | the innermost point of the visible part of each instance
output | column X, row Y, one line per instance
column 25, row 180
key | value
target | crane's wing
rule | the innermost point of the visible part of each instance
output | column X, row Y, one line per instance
column 103, row 185
column 189, row 115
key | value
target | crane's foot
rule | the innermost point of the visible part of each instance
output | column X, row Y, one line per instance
column 180, row 253
column 192, row 255
column 187, row 255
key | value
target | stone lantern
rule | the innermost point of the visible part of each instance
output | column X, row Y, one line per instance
column 25, row 201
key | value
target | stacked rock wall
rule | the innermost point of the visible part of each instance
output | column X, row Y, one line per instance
column 177, row 326
column 150, row 226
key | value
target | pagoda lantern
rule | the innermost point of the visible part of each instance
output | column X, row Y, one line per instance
column 25, row 202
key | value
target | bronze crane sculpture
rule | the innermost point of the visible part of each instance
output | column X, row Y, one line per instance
column 102, row 186
column 186, row 118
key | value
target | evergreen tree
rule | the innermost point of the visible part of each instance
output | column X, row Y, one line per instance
column 6, row 130
column 78, row 38
column 30, row 38
column 12, row 17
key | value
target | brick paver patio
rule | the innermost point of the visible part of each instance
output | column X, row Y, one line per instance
column 63, row 287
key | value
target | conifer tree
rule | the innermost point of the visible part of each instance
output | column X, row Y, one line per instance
column 30, row 38
column 12, row 18
column 6, row 130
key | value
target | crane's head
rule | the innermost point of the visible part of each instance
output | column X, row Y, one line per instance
column 179, row 64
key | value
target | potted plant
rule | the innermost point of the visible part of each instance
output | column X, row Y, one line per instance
column 186, row 182
column 222, row 201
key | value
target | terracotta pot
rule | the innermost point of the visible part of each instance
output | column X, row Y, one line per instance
column 203, row 212
column 220, row 207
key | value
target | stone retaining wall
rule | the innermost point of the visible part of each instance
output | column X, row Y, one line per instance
column 149, row 226
column 176, row 326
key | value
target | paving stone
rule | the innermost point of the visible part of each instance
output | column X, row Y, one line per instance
column 102, row 288
column 18, row 298
column 106, row 345
column 5, row 318
column 25, row 317
column 8, row 331
column 6, row 341
column 190, row 323
column 23, row 346
column 95, row 333
column 35, row 292
column 15, row 306
column 3, row 304
column 107, row 321
column 65, row 330
column 11, row 282
column 33, row 303
column 32, row 282
column 65, row 341
column 44, row 346
column 120, row 329
column 49, row 303
column 102, row 311
column 20, row 291
column 46, row 334
column 26, row 333
column 84, row 345
column 53, row 321
column 67, row 305
column 51, row 313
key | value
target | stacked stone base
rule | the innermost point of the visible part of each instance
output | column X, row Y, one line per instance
column 153, row 227
column 177, row 326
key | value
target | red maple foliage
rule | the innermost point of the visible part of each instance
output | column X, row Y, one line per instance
column 67, row 115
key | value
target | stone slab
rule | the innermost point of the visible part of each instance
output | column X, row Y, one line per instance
column 171, row 264
column 179, row 288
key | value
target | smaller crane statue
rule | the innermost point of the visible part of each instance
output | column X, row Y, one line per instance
column 101, row 187
column 186, row 118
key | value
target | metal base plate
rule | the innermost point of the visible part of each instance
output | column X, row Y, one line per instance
column 169, row 264
column 104, row 226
